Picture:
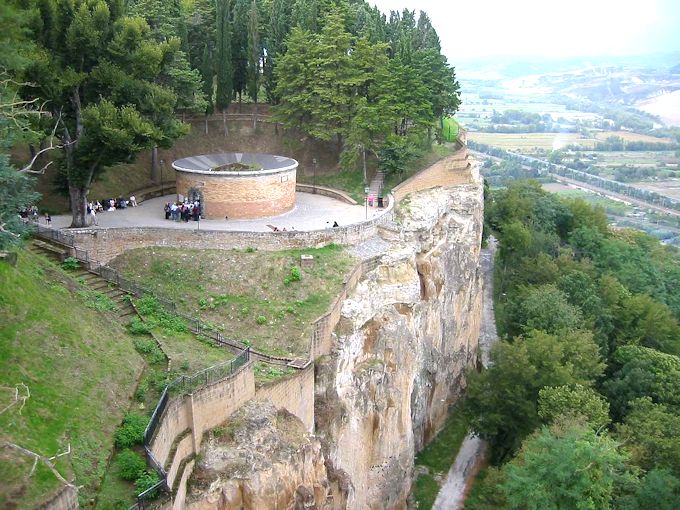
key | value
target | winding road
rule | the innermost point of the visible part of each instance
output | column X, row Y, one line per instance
column 464, row 468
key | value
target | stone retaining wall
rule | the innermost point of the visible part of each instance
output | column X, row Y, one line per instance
column 450, row 171
column 295, row 393
column 105, row 244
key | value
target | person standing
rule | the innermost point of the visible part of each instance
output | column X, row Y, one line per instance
column 48, row 219
column 93, row 213
column 133, row 201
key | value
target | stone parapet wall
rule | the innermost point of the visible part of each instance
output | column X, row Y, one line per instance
column 185, row 448
column 295, row 393
column 175, row 421
column 451, row 171
column 325, row 191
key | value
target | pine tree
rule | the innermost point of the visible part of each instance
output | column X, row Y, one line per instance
column 239, row 47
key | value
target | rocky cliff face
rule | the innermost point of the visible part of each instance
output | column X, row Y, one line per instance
column 407, row 333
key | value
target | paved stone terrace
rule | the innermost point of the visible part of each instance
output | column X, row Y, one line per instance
column 311, row 212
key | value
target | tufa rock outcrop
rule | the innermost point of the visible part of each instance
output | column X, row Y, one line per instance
column 261, row 458
column 407, row 333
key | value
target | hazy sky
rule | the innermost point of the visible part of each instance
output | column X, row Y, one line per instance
column 549, row 28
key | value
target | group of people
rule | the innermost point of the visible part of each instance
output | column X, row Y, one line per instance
column 183, row 211
column 31, row 214
column 111, row 204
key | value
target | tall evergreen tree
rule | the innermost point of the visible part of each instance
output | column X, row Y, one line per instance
column 305, row 14
column 254, row 56
column 239, row 46
column 98, row 70
column 223, row 64
column 277, row 32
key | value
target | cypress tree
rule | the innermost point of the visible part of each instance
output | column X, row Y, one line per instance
column 223, row 65
column 254, row 56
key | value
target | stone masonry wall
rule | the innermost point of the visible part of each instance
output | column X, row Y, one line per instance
column 295, row 393
column 450, row 171
column 105, row 244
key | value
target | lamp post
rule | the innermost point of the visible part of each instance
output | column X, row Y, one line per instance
column 314, row 178
column 366, row 190
column 162, row 186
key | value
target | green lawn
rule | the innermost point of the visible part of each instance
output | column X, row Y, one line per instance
column 80, row 367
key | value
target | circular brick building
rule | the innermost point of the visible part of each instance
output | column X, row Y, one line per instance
column 238, row 185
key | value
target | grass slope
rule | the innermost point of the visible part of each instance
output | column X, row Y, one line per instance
column 248, row 295
column 81, row 368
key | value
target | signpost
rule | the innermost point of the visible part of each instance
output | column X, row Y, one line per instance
column 366, row 190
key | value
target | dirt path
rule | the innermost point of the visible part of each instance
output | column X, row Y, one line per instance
column 471, row 453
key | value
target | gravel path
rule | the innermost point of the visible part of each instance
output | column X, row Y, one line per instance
column 472, row 450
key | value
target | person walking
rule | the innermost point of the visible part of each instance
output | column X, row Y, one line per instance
column 48, row 219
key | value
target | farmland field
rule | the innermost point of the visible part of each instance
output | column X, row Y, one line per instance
column 611, row 206
column 669, row 188
column 553, row 141
column 527, row 141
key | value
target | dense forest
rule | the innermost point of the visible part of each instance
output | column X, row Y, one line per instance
column 98, row 81
column 581, row 405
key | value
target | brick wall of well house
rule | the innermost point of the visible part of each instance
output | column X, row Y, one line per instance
column 240, row 194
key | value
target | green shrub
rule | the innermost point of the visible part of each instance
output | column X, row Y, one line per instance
column 131, row 432
column 295, row 274
column 250, row 249
column 130, row 465
column 137, row 326
column 97, row 301
column 184, row 365
column 149, row 348
column 71, row 264
column 146, row 480
column 140, row 394
column 261, row 319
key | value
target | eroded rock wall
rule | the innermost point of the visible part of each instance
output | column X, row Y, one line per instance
column 262, row 458
column 407, row 333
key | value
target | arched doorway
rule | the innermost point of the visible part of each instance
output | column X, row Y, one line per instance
column 196, row 195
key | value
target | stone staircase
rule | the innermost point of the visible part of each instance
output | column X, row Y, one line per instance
column 376, row 185
column 54, row 252
column 112, row 291
column 58, row 253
